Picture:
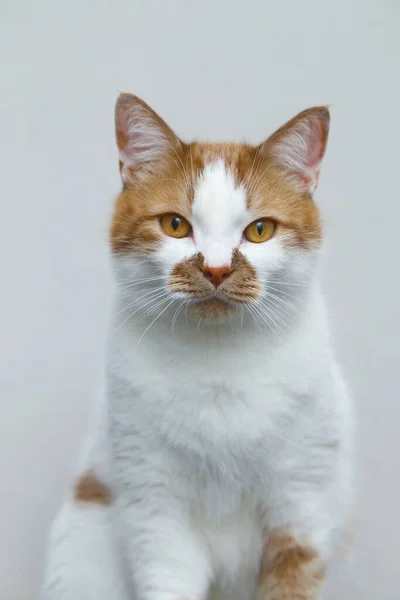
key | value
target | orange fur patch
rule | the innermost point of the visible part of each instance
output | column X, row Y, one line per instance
column 290, row 570
column 89, row 488
column 297, row 215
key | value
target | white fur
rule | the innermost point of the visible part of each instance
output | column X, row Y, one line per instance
column 218, row 214
column 210, row 435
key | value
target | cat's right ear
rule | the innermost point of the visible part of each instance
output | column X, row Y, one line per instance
column 144, row 140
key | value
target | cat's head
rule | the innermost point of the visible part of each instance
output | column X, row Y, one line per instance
column 216, row 227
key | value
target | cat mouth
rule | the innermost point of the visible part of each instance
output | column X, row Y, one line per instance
column 213, row 307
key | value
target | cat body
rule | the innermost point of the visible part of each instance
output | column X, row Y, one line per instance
column 219, row 463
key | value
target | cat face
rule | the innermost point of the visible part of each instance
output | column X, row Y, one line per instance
column 216, row 227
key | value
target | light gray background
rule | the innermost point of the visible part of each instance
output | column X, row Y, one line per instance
column 215, row 69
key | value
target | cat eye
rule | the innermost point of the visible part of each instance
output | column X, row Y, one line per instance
column 175, row 226
column 260, row 231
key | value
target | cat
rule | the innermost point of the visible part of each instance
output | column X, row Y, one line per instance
column 219, row 464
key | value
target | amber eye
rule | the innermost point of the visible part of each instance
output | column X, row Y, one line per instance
column 260, row 231
column 175, row 226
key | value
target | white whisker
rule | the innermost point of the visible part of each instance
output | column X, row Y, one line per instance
column 283, row 292
column 159, row 302
column 267, row 318
column 135, row 301
column 241, row 308
column 286, row 306
column 154, row 320
column 174, row 318
column 254, row 315
column 131, row 282
column 267, row 306
column 290, row 283
column 156, row 297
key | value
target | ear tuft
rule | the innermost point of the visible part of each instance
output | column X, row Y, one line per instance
column 299, row 147
column 144, row 140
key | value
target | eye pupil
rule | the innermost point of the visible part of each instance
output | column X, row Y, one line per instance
column 175, row 226
column 175, row 223
column 260, row 231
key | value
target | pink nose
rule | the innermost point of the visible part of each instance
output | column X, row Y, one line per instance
column 216, row 275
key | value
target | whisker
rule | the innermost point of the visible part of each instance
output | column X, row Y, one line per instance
column 157, row 297
column 267, row 306
column 149, row 311
column 285, row 305
column 174, row 318
column 241, row 308
column 254, row 315
column 186, row 313
column 287, row 294
column 290, row 283
column 159, row 301
column 264, row 318
column 131, row 284
column 264, row 314
column 157, row 317
column 139, row 280
column 136, row 300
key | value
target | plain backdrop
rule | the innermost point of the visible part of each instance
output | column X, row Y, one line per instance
column 229, row 69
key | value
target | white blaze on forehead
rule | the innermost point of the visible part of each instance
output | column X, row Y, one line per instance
column 219, row 214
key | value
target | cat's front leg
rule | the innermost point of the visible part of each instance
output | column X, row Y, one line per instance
column 164, row 555
column 165, row 559
column 302, row 526
column 292, row 568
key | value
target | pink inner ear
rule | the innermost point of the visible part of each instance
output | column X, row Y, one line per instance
column 313, row 165
column 143, row 138
column 299, row 147
column 316, row 144
column 131, row 147
column 122, row 128
column 316, row 150
column 122, row 135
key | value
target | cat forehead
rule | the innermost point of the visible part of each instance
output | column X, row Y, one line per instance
column 219, row 199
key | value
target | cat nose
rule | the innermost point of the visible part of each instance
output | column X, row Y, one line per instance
column 216, row 275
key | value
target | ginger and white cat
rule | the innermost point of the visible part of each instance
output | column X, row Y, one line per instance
column 219, row 463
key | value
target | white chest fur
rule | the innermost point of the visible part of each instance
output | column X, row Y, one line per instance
column 217, row 403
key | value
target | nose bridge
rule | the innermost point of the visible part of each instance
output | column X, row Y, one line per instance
column 217, row 253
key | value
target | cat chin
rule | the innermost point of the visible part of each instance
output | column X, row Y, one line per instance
column 212, row 309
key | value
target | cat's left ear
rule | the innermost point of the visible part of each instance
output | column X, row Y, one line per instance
column 298, row 147
column 144, row 140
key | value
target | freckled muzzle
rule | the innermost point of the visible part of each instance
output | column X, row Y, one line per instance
column 215, row 291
